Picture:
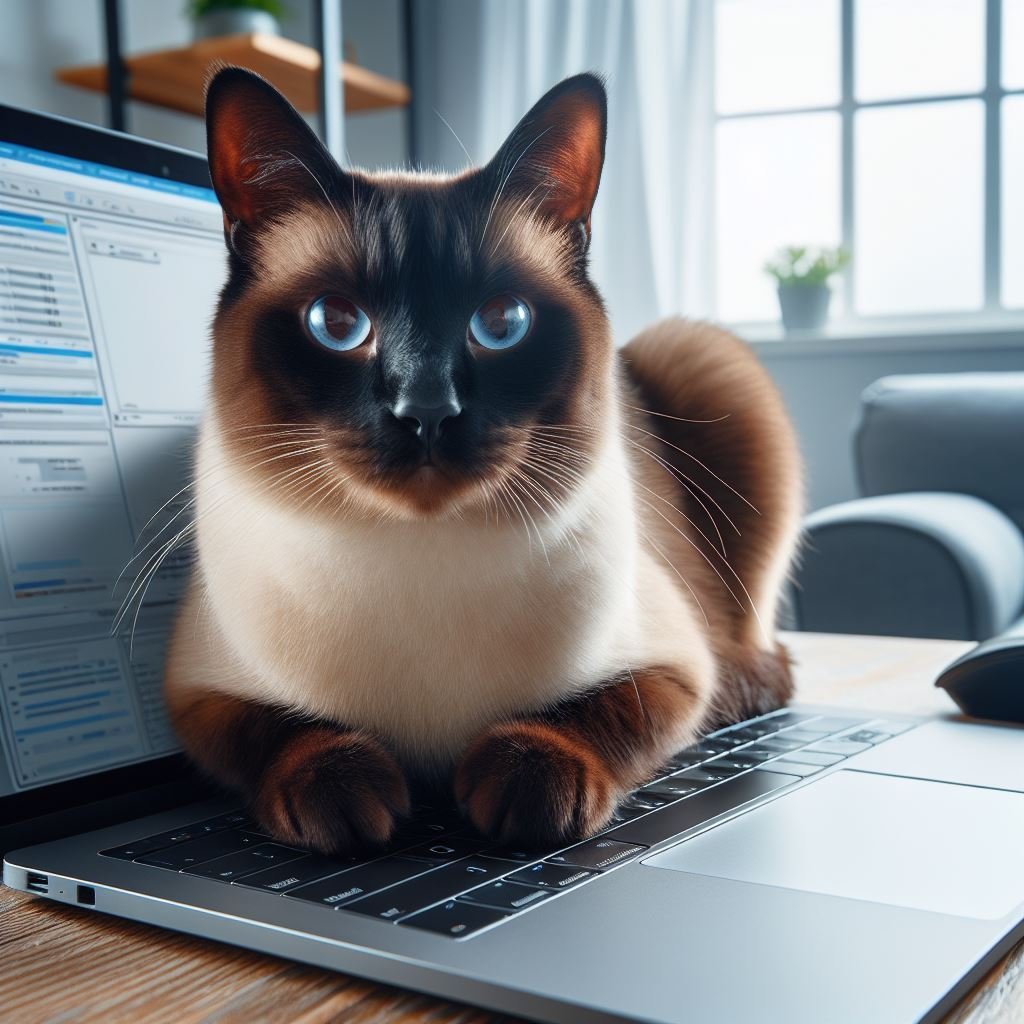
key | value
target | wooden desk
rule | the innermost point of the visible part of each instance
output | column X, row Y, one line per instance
column 59, row 963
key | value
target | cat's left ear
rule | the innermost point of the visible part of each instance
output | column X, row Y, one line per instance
column 264, row 158
column 556, row 152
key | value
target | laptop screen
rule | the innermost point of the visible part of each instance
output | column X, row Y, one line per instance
column 108, row 278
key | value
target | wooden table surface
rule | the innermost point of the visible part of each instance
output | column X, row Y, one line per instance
column 60, row 964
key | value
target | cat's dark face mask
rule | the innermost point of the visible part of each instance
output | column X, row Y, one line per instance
column 404, row 342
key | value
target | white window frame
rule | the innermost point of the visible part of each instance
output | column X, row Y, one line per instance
column 992, row 312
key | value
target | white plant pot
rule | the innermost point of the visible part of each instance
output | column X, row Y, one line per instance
column 804, row 307
column 235, row 23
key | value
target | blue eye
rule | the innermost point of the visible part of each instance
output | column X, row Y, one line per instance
column 338, row 324
column 500, row 322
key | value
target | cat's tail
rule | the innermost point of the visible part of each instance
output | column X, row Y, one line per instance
column 708, row 411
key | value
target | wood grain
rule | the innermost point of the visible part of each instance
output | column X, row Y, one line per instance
column 176, row 78
column 65, row 966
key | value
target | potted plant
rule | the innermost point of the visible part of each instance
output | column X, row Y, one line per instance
column 235, row 17
column 801, row 273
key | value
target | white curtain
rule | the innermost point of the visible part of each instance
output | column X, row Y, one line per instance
column 485, row 63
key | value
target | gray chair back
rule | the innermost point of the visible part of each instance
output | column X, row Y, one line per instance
column 960, row 432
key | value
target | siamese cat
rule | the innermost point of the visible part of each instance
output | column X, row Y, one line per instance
column 448, row 535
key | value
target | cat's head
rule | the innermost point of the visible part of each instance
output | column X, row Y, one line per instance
column 411, row 344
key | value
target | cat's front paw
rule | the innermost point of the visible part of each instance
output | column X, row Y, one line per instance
column 332, row 791
column 527, row 784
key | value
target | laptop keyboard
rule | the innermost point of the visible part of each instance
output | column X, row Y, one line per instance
column 440, row 876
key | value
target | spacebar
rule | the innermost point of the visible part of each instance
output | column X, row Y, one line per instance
column 695, row 810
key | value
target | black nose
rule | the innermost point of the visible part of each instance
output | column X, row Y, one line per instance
column 425, row 421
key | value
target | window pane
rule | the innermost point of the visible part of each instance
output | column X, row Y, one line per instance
column 918, row 48
column 918, row 208
column 1013, row 201
column 776, row 183
column 773, row 54
column 1013, row 44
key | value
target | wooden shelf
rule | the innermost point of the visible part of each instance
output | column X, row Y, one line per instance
column 175, row 78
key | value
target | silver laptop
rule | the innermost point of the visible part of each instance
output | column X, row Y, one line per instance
column 810, row 865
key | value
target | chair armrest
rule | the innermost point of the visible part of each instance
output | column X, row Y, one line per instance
column 927, row 564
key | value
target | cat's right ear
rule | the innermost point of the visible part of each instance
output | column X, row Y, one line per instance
column 263, row 157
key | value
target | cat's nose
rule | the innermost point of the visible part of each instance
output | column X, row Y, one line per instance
column 426, row 421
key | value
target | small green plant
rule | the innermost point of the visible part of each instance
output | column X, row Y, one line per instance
column 806, row 266
column 197, row 8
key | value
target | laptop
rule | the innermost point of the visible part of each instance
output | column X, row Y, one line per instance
column 807, row 865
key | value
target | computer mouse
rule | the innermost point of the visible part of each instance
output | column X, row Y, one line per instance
column 988, row 681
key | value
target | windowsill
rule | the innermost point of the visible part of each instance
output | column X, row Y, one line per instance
column 978, row 334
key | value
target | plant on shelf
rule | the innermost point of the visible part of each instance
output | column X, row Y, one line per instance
column 235, row 17
column 801, row 275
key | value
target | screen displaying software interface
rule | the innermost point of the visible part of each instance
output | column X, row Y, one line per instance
column 108, row 281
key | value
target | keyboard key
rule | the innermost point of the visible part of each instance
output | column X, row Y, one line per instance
column 182, row 835
column 841, row 746
column 455, row 918
column 705, row 775
column 796, row 768
column 723, row 741
column 198, row 851
column 685, row 759
column 551, row 876
column 745, row 759
column 162, row 840
column 809, row 757
column 131, row 851
column 236, row 819
column 779, row 743
column 808, row 735
column 754, row 731
column 444, row 851
column 477, row 869
column 760, row 753
column 636, row 804
column 217, row 824
column 504, row 853
column 412, row 896
column 426, row 829
column 294, row 873
column 360, row 881
column 867, row 736
column 602, row 852
column 788, row 718
column 835, row 724
column 710, row 747
column 507, row 896
column 734, row 762
column 643, row 801
column 670, row 821
column 671, row 787
column 245, row 862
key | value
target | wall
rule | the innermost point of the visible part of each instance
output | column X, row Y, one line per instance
column 821, row 382
column 39, row 36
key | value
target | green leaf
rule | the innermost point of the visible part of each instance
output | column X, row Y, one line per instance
column 806, row 265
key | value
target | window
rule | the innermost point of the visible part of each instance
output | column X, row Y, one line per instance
column 892, row 127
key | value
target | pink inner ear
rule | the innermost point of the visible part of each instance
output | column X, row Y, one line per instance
column 228, row 164
column 573, row 161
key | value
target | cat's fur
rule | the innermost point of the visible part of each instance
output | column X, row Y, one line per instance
column 589, row 578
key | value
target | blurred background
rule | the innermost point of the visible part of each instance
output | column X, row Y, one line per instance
column 840, row 181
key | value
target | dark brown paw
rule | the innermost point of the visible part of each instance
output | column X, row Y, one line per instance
column 752, row 683
column 527, row 784
column 334, row 792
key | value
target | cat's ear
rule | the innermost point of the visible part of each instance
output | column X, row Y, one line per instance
column 556, row 152
column 263, row 156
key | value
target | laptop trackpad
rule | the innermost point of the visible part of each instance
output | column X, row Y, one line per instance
column 906, row 842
